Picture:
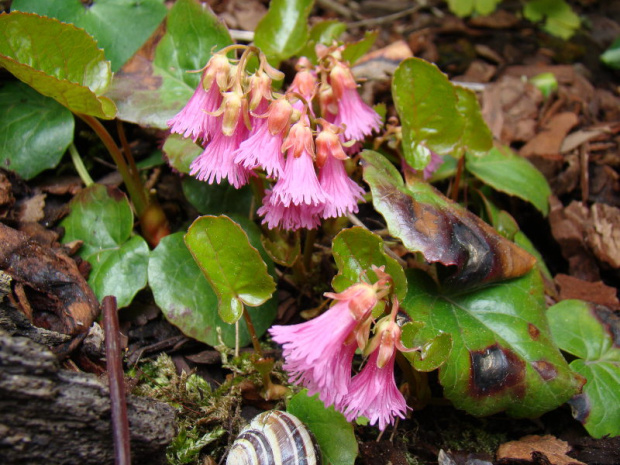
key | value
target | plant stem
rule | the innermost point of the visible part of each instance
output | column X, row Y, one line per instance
column 252, row 331
column 457, row 178
column 309, row 248
column 79, row 166
column 131, row 180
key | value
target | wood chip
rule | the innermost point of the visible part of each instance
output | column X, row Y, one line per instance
column 527, row 447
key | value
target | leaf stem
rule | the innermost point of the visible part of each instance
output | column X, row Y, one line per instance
column 457, row 178
column 252, row 331
column 309, row 248
column 78, row 163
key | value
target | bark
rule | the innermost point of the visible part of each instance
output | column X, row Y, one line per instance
column 54, row 416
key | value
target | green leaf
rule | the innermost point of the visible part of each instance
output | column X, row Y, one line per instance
column 611, row 56
column 119, row 26
column 433, row 352
column 586, row 331
column 333, row 433
column 353, row 51
column 181, row 152
column 355, row 251
column 101, row 217
column 188, row 300
column 443, row 231
column 35, row 131
column 546, row 83
column 560, row 20
column 211, row 199
column 477, row 138
column 234, row 268
column 58, row 60
column 426, row 103
column 283, row 31
column 503, row 357
column 514, row 175
column 467, row 7
column 283, row 247
column 324, row 32
column 151, row 93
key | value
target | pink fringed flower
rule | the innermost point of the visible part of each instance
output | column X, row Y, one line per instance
column 194, row 120
column 342, row 190
column 357, row 117
column 318, row 354
column 262, row 149
column 292, row 217
column 373, row 394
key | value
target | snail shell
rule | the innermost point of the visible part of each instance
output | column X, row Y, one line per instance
column 274, row 438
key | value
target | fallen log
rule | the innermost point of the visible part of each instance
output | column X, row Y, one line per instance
column 54, row 416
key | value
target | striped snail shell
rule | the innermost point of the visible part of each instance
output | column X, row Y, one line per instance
column 274, row 438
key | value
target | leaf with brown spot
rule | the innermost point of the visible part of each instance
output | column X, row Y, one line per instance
column 428, row 222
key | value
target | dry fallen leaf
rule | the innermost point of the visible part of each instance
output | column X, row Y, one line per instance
column 596, row 292
column 553, row 448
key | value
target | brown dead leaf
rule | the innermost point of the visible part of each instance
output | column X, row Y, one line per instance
column 603, row 234
column 549, row 140
column 528, row 447
column 597, row 292
column 243, row 14
column 510, row 108
column 382, row 63
column 6, row 195
column 31, row 209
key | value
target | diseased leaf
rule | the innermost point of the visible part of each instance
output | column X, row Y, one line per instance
column 426, row 103
column 333, row 433
column 35, row 131
column 283, row 31
column 589, row 332
column 59, row 61
column 234, row 268
column 101, row 217
column 355, row 251
column 150, row 91
column 503, row 357
column 188, row 300
column 120, row 27
column 514, row 175
column 443, row 231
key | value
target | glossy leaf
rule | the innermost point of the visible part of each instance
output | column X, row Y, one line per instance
column 188, row 300
column 443, row 231
column 333, row 433
column 476, row 138
column 560, row 19
column 120, row 27
column 181, row 152
column 35, row 131
column 59, row 61
column 234, row 268
column 587, row 331
column 149, row 91
column 324, row 32
column 101, row 217
column 432, row 353
column 355, row 251
column 283, row 31
column 514, row 175
column 211, row 199
column 503, row 357
column 353, row 51
column 426, row 103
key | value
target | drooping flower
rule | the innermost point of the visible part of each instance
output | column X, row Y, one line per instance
column 433, row 165
column 292, row 218
column 318, row 353
column 358, row 119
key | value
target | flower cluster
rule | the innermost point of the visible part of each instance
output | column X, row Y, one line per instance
column 319, row 354
column 298, row 139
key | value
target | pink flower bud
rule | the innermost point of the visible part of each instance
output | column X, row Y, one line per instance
column 218, row 70
column 341, row 79
column 279, row 118
column 260, row 89
column 299, row 139
column 328, row 145
column 232, row 107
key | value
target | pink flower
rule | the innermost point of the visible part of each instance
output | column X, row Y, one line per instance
column 342, row 190
column 262, row 149
column 373, row 394
column 433, row 165
column 318, row 353
column 193, row 121
column 217, row 160
column 291, row 218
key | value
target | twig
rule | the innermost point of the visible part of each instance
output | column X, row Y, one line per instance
column 338, row 8
column 384, row 19
column 120, row 423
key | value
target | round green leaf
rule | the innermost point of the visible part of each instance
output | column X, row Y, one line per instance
column 585, row 331
column 101, row 217
column 355, row 251
column 152, row 93
column 35, row 131
column 283, row 31
column 477, row 138
column 58, row 60
column 217, row 198
column 119, row 26
column 426, row 103
column 514, row 175
column 503, row 357
column 332, row 431
column 187, row 299
column 234, row 268
column 433, row 352
column 181, row 152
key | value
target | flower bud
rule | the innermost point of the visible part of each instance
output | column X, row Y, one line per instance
column 280, row 112
column 232, row 105
column 218, row 70
column 341, row 79
column 299, row 139
column 260, row 89
column 304, row 82
column 328, row 145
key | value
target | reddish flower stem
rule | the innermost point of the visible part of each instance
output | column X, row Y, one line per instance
column 252, row 331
